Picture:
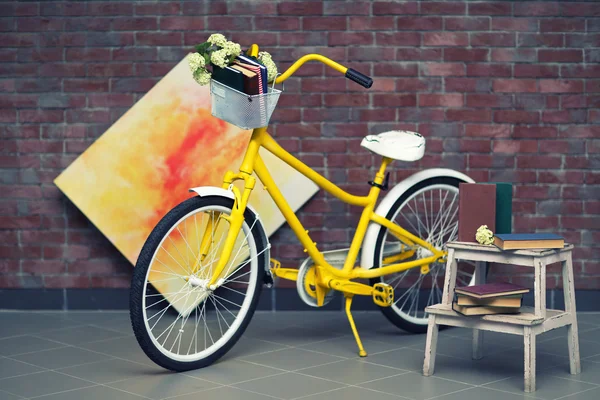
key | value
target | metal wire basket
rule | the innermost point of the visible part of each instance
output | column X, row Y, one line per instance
column 241, row 109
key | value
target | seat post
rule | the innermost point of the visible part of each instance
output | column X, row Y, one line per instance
column 380, row 180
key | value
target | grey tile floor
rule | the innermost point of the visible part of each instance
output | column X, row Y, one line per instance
column 284, row 355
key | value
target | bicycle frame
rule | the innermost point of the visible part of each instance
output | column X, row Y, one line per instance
column 253, row 163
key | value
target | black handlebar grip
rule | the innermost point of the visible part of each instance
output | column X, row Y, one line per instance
column 359, row 78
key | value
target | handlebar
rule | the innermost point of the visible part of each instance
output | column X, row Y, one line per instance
column 349, row 73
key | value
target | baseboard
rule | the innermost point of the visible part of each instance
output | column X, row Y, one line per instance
column 277, row 299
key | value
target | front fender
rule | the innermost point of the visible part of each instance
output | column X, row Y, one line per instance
column 204, row 191
column 388, row 201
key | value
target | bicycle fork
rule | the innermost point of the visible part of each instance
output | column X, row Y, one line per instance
column 235, row 219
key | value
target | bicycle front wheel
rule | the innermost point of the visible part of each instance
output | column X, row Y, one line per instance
column 428, row 210
column 180, row 321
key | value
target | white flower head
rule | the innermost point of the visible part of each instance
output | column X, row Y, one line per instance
column 202, row 76
column 218, row 39
column 266, row 59
column 232, row 49
column 195, row 60
column 484, row 235
column 219, row 58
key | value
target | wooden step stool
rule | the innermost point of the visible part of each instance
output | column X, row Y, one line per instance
column 529, row 323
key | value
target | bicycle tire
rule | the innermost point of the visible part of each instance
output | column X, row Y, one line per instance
column 140, row 282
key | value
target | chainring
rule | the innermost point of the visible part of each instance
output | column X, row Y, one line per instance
column 306, row 286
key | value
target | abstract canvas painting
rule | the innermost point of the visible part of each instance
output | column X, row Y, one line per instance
column 144, row 164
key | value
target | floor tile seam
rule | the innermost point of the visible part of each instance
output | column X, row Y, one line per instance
column 530, row 394
column 62, row 346
column 322, row 353
column 572, row 379
column 319, row 365
column 387, row 366
column 338, row 382
column 21, row 375
column 446, row 394
column 200, row 391
column 249, row 380
column 264, row 365
column 65, row 391
column 571, row 394
column 58, row 329
column 380, row 391
column 264, row 352
column 251, row 391
column 110, row 355
column 319, row 394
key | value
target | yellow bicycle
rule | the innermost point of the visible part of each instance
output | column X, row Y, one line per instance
column 214, row 247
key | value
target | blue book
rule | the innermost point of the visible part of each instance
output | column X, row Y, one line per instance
column 514, row 241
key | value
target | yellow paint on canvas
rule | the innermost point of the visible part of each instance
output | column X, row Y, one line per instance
column 144, row 164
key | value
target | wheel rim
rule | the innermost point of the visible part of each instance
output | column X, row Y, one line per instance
column 189, row 323
column 417, row 214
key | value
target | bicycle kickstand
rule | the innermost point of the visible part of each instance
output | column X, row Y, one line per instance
column 361, row 350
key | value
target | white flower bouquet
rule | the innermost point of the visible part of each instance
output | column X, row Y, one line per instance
column 218, row 51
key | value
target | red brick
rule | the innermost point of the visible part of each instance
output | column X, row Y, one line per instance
column 489, row 70
column 562, row 25
column 253, row 7
column 66, row 281
column 324, row 23
column 495, row 39
column 488, row 100
column 395, row 39
column 21, row 222
column 86, row 54
column 370, row 53
column 469, row 115
column 412, row 54
column 159, row 38
column 444, row 69
column 85, row 85
column 39, row 24
column 372, row 23
column 304, row 8
column 349, row 38
column 110, row 8
column 42, row 267
column 560, row 56
column 490, row 8
column 577, row 131
column 343, row 8
column 562, row 117
column 467, row 23
column 395, row 8
column 162, row 8
column 68, row 69
column 445, row 39
column 120, row 282
column 515, row 146
column 580, row 222
column 394, row 100
column 514, row 24
column 538, row 161
column 395, row 69
column 419, row 23
column 324, row 145
column 492, row 131
column 540, row 40
column 384, row 85
column 444, row 8
column 37, row 116
column 541, row 132
column 441, row 100
column 546, row 9
column 573, row 101
column 516, row 116
column 514, row 85
column 514, row 55
column 134, row 24
column 466, row 54
column 371, row 115
column 580, row 9
column 531, row 192
column 580, row 71
column 536, row 71
column 182, row 23
column 276, row 23
column 562, row 86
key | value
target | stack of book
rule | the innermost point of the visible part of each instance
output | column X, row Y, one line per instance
column 516, row 241
column 246, row 75
column 490, row 298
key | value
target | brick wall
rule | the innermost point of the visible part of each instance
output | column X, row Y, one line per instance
column 504, row 91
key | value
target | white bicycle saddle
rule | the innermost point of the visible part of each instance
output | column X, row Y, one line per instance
column 398, row 145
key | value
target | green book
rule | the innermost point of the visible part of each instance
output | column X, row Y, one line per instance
column 503, row 207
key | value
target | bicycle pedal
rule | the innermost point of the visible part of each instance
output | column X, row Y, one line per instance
column 383, row 294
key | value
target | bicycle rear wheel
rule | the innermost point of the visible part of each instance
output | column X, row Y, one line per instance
column 179, row 321
column 428, row 210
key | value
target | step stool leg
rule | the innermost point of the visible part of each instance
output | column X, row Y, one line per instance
column 529, row 341
column 430, row 346
column 572, row 331
column 480, row 275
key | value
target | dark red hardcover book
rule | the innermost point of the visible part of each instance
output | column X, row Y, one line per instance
column 491, row 290
column 476, row 207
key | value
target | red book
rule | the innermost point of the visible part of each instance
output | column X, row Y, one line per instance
column 491, row 290
column 476, row 207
